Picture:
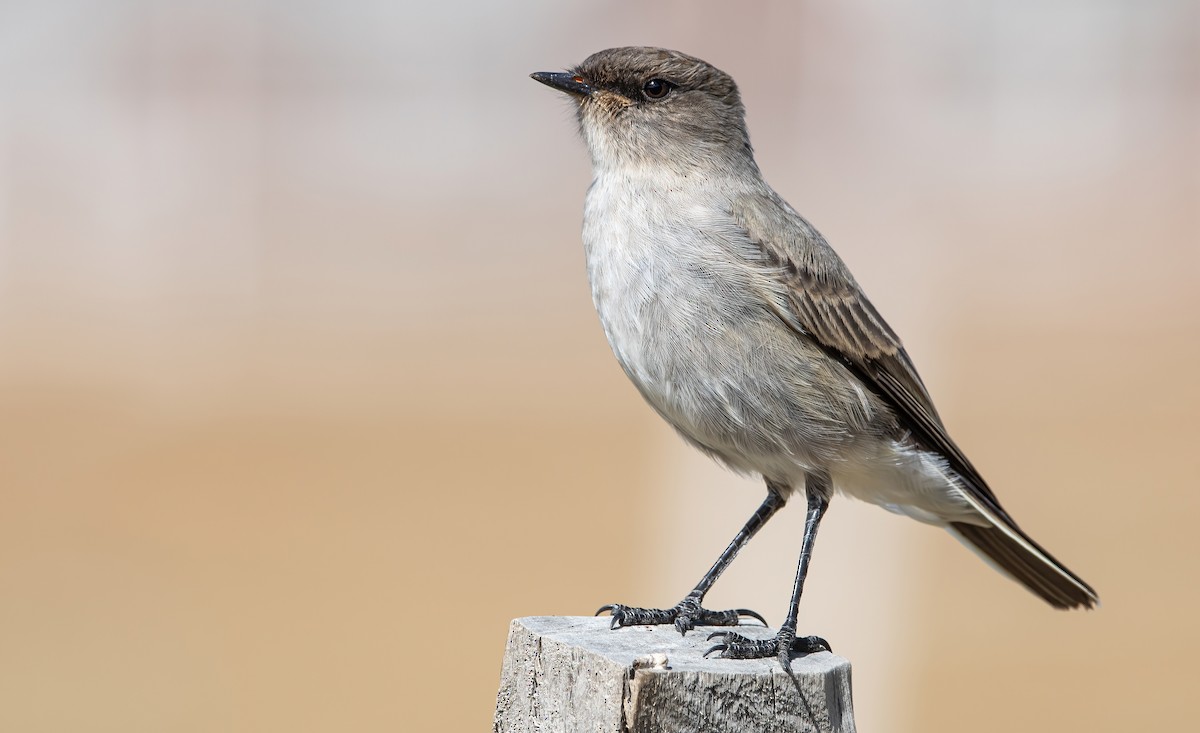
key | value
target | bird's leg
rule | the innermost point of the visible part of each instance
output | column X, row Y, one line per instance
column 736, row 646
column 688, row 613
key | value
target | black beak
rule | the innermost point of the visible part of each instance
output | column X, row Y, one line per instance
column 569, row 83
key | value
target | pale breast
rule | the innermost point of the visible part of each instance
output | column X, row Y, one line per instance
column 655, row 277
column 688, row 318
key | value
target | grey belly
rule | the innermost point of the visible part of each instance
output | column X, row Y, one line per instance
column 745, row 388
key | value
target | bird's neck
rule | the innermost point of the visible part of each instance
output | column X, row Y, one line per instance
column 628, row 156
column 668, row 172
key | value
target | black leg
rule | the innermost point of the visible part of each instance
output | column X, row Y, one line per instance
column 688, row 613
column 736, row 646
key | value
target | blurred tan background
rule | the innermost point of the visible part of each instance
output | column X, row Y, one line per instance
column 302, row 397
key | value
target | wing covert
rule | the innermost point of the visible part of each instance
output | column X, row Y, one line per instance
column 826, row 304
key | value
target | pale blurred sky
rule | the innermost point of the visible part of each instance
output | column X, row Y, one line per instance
column 166, row 129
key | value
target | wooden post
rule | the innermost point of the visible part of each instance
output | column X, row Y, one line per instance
column 574, row 674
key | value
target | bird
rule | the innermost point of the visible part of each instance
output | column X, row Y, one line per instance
column 742, row 327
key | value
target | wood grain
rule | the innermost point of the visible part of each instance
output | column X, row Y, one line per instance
column 574, row 674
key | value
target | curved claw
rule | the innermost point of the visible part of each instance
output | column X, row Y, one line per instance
column 715, row 634
column 752, row 614
column 810, row 644
column 721, row 647
column 615, row 610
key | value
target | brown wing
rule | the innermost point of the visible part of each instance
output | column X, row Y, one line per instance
column 828, row 306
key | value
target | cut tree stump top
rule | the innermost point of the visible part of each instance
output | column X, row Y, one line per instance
column 574, row 674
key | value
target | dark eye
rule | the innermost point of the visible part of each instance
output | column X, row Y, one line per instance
column 657, row 88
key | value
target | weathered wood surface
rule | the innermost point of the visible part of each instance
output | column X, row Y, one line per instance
column 573, row 674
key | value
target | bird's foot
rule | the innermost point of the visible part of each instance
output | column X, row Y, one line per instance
column 735, row 646
column 685, row 615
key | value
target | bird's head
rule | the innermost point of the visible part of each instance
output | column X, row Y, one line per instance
column 641, row 106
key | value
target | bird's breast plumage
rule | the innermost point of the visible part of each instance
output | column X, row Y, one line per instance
column 687, row 310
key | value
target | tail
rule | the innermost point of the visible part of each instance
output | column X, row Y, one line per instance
column 1014, row 553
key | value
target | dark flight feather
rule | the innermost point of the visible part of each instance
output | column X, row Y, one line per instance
column 828, row 306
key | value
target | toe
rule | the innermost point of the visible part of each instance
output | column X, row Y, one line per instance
column 716, row 648
column 810, row 644
column 750, row 614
